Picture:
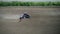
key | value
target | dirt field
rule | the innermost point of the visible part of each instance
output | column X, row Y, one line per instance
column 42, row 21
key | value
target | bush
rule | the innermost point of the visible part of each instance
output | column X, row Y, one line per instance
column 15, row 3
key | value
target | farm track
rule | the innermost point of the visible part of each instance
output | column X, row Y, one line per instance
column 42, row 21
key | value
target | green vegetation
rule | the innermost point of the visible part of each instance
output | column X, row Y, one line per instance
column 15, row 3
